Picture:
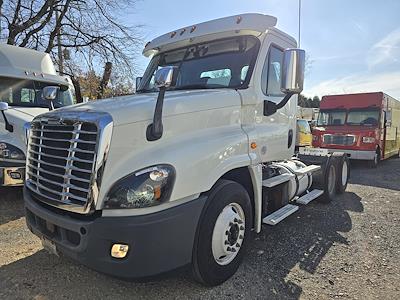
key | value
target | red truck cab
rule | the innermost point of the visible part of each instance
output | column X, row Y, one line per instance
column 364, row 126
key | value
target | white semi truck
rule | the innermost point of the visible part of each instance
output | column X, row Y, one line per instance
column 23, row 75
column 182, row 172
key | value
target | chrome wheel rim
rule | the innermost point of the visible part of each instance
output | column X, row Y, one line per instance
column 228, row 234
column 345, row 171
column 331, row 179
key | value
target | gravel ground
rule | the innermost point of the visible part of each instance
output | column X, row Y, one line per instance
column 349, row 249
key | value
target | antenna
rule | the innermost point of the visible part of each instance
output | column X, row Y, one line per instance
column 299, row 21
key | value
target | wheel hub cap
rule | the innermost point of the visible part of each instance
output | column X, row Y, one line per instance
column 228, row 234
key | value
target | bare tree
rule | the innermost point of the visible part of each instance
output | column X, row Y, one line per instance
column 89, row 31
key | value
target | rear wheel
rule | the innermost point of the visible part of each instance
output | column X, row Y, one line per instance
column 343, row 168
column 222, row 234
column 330, row 182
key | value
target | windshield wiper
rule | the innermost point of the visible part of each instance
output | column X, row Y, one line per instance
column 200, row 87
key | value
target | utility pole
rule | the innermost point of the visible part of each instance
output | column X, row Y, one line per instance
column 59, row 48
column 299, row 21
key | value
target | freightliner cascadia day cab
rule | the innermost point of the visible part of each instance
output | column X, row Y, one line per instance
column 23, row 75
column 182, row 172
column 364, row 126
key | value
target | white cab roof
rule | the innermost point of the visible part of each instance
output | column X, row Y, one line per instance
column 245, row 24
column 17, row 62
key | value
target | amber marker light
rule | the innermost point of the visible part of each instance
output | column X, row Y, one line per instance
column 253, row 145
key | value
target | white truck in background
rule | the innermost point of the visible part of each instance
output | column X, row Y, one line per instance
column 181, row 172
column 23, row 75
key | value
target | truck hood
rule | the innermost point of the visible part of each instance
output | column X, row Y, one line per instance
column 140, row 107
column 27, row 113
column 18, row 116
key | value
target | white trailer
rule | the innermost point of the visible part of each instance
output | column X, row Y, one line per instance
column 183, row 171
column 23, row 75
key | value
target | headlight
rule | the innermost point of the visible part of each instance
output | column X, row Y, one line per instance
column 145, row 188
column 10, row 152
column 368, row 140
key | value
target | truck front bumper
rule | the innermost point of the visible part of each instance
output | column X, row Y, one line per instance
column 12, row 176
column 357, row 154
column 158, row 242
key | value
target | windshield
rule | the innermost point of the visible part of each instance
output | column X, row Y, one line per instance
column 331, row 117
column 28, row 93
column 218, row 64
column 363, row 117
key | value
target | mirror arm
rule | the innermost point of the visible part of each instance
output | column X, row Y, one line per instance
column 271, row 107
column 155, row 130
column 51, row 105
column 9, row 127
column 284, row 100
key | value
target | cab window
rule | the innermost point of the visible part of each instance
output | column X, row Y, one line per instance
column 271, row 77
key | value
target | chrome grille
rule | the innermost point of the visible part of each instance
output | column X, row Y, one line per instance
column 61, row 162
column 336, row 139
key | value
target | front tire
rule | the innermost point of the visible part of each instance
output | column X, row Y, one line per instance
column 222, row 234
column 375, row 162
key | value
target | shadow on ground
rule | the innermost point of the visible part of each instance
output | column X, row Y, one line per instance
column 387, row 177
column 300, row 242
column 11, row 204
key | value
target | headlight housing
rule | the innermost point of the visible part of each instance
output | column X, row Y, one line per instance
column 145, row 188
column 10, row 152
column 368, row 139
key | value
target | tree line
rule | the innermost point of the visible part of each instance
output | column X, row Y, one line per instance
column 313, row 102
column 80, row 35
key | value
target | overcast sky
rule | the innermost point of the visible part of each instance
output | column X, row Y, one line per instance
column 353, row 45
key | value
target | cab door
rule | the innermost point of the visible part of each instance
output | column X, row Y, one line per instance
column 277, row 132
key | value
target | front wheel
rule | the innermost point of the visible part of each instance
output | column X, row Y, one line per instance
column 222, row 233
column 375, row 161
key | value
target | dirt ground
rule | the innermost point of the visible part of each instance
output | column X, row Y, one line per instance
column 349, row 249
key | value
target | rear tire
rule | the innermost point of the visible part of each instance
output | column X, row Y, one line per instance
column 343, row 168
column 222, row 234
column 330, row 181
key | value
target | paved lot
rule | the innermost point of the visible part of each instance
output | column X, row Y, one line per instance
column 349, row 249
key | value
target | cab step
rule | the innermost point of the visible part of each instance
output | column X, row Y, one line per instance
column 277, row 180
column 307, row 198
column 280, row 214
column 307, row 170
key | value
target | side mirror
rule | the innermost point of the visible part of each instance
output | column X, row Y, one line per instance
column 50, row 93
column 3, row 106
column 293, row 71
column 166, row 77
column 138, row 81
column 292, row 79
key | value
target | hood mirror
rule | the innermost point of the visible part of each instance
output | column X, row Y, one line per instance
column 3, row 108
column 50, row 93
column 164, row 78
